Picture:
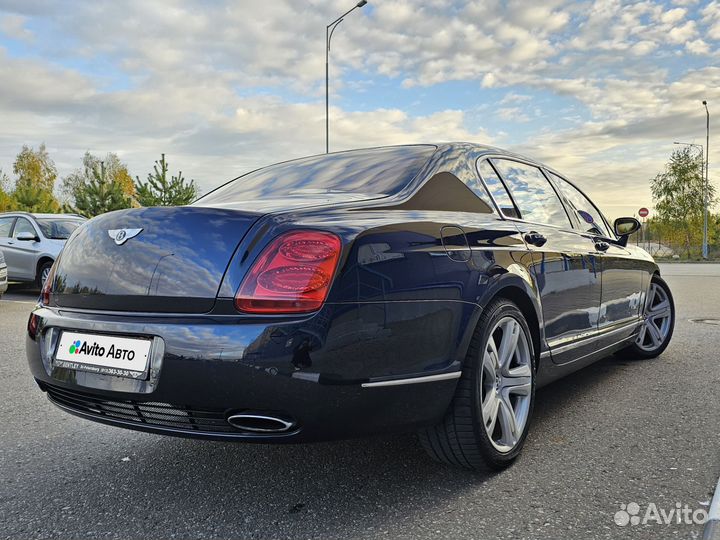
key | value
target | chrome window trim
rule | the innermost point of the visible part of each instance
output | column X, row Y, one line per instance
column 489, row 157
column 542, row 172
column 502, row 181
column 600, row 213
column 571, row 229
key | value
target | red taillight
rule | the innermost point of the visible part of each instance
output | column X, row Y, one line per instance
column 292, row 275
column 47, row 287
column 32, row 325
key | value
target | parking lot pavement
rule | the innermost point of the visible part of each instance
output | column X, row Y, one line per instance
column 18, row 292
column 617, row 433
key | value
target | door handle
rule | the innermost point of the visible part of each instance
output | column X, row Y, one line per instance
column 602, row 246
column 535, row 238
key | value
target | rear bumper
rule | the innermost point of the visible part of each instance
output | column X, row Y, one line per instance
column 204, row 369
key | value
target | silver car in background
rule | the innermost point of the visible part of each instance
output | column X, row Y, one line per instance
column 3, row 275
column 32, row 242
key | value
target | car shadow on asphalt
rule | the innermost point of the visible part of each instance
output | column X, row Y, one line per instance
column 270, row 488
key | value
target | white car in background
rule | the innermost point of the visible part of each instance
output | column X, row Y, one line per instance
column 3, row 275
column 32, row 242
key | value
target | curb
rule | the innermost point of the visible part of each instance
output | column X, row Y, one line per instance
column 712, row 527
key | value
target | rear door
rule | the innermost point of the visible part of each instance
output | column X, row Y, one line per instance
column 6, row 225
column 22, row 254
column 564, row 262
column 622, row 276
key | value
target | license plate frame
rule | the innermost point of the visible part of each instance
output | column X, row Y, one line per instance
column 104, row 354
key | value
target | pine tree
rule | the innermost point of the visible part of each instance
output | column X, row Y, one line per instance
column 159, row 191
column 116, row 172
column 30, row 198
column 100, row 195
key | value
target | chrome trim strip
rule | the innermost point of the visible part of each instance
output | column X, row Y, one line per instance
column 599, row 351
column 544, row 354
column 414, row 380
column 586, row 338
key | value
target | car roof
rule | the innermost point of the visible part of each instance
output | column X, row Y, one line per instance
column 478, row 148
column 41, row 215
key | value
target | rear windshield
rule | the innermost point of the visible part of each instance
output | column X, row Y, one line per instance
column 363, row 173
column 58, row 229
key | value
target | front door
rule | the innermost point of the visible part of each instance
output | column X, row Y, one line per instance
column 6, row 225
column 622, row 276
column 21, row 255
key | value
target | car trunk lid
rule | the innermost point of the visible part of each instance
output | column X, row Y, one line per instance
column 150, row 259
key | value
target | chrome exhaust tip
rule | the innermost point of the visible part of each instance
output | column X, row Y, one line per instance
column 260, row 423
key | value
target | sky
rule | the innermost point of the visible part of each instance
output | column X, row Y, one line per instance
column 599, row 89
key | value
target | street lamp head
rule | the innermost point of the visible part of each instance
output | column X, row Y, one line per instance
column 361, row 3
column 704, row 102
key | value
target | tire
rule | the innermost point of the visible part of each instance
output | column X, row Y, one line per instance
column 642, row 348
column 42, row 271
column 462, row 439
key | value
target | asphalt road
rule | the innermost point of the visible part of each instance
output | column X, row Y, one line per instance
column 616, row 433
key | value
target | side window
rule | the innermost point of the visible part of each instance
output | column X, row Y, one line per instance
column 496, row 188
column 5, row 226
column 588, row 215
column 23, row 226
column 534, row 195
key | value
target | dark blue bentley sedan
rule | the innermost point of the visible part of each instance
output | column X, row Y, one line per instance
column 426, row 287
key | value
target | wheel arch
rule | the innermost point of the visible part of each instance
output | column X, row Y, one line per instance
column 521, row 299
column 521, row 291
column 41, row 261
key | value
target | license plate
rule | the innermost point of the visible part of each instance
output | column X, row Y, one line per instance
column 111, row 355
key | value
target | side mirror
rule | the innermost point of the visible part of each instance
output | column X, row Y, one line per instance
column 27, row 237
column 624, row 227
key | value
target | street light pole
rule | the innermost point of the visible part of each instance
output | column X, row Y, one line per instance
column 329, row 29
column 707, row 182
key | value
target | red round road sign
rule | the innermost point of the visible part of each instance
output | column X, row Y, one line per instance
column 643, row 212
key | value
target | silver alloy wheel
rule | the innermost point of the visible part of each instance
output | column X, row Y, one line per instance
column 506, row 384
column 658, row 319
column 44, row 275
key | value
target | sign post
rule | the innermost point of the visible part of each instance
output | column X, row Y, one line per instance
column 643, row 213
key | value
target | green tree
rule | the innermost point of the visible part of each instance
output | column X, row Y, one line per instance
column 6, row 200
column 161, row 191
column 33, row 190
column 100, row 194
column 116, row 172
column 35, row 168
column 30, row 198
column 679, row 198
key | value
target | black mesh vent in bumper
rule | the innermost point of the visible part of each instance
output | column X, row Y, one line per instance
column 149, row 413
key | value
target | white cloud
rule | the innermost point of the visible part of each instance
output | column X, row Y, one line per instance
column 641, row 48
column 711, row 17
column 225, row 86
column 512, row 114
column 673, row 16
column 698, row 46
column 681, row 34
column 13, row 26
